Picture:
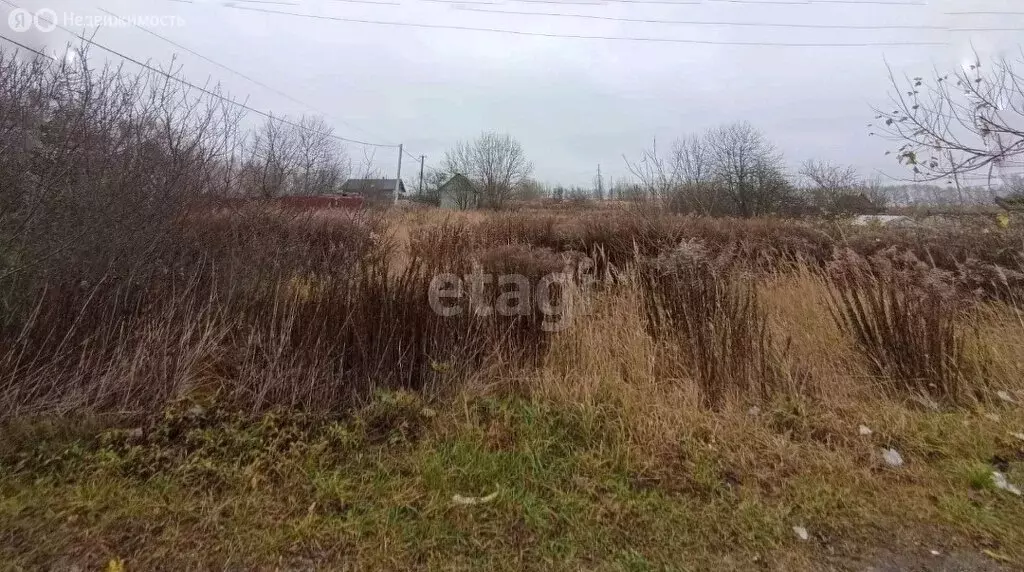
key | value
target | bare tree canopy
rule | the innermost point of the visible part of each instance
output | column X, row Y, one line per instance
column 729, row 170
column 495, row 163
column 971, row 120
column 301, row 158
column 748, row 167
column 829, row 178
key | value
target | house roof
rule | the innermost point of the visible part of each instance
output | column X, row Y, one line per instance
column 365, row 186
column 457, row 178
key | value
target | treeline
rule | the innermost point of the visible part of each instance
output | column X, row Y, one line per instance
column 97, row 164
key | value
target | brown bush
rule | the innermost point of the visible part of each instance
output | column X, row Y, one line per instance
column 907, row 319
column 715, row 319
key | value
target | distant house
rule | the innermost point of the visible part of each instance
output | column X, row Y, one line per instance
column 883, row 220
column 375, row 191
column 458, row 194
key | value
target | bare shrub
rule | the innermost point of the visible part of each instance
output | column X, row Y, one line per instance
column 714, row 319
column 907, row 320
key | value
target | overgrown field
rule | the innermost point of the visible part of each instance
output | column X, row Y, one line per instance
column 267, row 390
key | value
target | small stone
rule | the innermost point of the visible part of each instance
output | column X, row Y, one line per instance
column 801, row 532
column 1005, row 396
column 935, row 552
column 892, row 457
column 864, row 430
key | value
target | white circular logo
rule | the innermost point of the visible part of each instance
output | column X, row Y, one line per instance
column 20, row 20
column 46, row 20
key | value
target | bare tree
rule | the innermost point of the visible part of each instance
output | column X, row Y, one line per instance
column 967, row 121
column 656, row 174
column 729, row 170
column 530, row 189
column 274, row 157
column 97, row 164
column 495, row 163
column 876, row 192
column 828, row 183
column 694, row 169
column 748, row 168
column 693, row 161
column 322, row 164
column 829, row 178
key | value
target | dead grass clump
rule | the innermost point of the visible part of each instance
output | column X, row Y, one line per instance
column 908, row 321
column 715, row 320
column 522, row 260
column 534, row 230
column 443, row 247
column 822, row 359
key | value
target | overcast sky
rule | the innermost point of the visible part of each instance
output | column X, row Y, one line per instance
column 574, row 103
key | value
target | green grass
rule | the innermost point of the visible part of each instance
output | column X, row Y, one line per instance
column 210, row 489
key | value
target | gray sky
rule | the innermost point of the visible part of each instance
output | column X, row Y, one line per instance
column 573, row 103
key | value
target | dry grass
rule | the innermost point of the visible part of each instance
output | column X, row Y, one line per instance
column 186, row 387
column 603, row 450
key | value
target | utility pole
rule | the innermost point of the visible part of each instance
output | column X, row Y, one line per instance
column 398, row 177
column 422, row 157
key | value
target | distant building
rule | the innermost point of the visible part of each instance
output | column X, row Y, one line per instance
column 458, row 194
column 375, row 191
column 883, row 220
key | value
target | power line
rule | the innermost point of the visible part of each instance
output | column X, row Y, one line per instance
column 369, row 2
column 984, row 13
column 587, row 3
column 201, row 89
column 278, row 2
column 673, row 2
column 21, row 45
column 230, row 69
column 810, row 2
column 569, row 3
column 801, row 2
column 483, row 3
column 1017, row 29
column 708, row 23
column 581, row 36
column 878, row 2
